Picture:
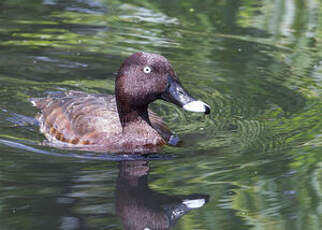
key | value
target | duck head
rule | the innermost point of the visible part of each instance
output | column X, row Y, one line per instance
column 145, row 77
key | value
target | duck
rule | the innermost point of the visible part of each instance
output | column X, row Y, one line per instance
column 120, row 123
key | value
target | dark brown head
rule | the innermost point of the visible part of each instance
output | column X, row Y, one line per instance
column 145, row 77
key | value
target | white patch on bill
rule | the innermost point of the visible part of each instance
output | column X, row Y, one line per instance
column 194, row 203
column 196, row 106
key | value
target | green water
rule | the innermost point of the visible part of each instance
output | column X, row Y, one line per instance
column 257, row 156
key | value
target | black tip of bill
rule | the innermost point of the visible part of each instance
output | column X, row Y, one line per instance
column 207, row 110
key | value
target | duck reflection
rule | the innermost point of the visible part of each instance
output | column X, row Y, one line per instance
column 139, row 207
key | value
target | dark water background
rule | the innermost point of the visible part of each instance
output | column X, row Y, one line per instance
column 257, row 157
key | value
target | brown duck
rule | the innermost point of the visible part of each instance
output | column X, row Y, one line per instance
column 120, row 123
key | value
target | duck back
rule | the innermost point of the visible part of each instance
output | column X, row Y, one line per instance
column 87, row 121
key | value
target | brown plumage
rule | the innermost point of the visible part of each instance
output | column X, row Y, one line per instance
column 114, row 124
column 75, row 119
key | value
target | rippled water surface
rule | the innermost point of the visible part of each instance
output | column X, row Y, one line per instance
column 253, row 163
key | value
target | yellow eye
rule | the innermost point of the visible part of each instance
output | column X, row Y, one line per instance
column 147, row 69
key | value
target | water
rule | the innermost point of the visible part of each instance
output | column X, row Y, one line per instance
column 255, row 161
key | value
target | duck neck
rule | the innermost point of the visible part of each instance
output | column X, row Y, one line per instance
column 133, row 117
column 137, row 129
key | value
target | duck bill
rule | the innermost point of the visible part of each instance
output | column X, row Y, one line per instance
column 177, row 95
